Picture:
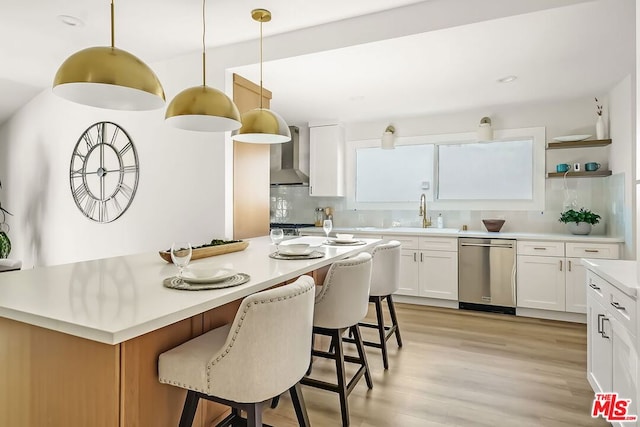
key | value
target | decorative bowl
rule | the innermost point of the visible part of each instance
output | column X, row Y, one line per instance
column 493, row 224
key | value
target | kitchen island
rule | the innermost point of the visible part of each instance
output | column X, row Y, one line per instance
column 79, row 342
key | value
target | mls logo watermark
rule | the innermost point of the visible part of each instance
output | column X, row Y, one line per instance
column 611, row 408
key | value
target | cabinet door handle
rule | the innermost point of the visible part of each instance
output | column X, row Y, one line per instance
column 421, row 257
column 414, row 257
column 600, row 317
column 593, row 286
column 560, row 265
column 311, row 189
column 602, row 333
column 617, row 306
column 539, row 249
column 569, row 265
column 592, row 250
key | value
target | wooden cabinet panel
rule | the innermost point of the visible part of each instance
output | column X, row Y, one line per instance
column 44, row 374
column 576, row 289
column 439, row 274
column 250, row 169
column 599, row 348
column 326, row 157
column 147, row 402
column 409, row 275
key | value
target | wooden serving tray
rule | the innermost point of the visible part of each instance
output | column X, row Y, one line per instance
column 208, row 251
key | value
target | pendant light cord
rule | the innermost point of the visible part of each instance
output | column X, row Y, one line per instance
column 261, row 64
column 113, row 36
column 204, row 30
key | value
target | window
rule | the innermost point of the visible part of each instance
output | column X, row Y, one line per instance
column 452, row 170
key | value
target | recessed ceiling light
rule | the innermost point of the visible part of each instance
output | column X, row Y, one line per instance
column 71, row 21
column 507, row 79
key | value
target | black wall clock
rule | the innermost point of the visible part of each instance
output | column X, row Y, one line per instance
column 104, row 172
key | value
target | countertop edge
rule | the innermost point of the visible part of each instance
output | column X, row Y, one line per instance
column 433, row 232
column 620, row 273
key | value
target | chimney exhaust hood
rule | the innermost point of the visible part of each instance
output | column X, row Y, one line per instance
column 286, row 171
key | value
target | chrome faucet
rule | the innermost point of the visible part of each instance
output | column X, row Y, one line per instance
column 426, row 222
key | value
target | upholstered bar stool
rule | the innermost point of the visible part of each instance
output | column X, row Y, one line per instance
column 385, row 280
column 341, row 303
column 264, row 352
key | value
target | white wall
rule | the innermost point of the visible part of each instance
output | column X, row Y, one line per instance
column 179, row 193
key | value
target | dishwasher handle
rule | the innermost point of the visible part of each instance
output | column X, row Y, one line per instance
column 489, row 245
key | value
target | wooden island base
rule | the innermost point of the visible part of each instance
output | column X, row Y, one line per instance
column 52, row 379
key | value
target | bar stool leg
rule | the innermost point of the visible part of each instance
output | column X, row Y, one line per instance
column 189, row 409
column 299, row 405
column 254, row 415
column 362, row 354
column 381, row 331
column 342, row 382
column 394, row 319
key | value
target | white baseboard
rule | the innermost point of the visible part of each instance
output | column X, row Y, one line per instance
column 551, row 315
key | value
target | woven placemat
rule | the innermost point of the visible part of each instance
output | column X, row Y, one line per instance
column 312, row 255
column 175, row 283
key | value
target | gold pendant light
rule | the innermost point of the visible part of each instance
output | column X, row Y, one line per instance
column 261, row 125
column 203, row 108
column 108, row 77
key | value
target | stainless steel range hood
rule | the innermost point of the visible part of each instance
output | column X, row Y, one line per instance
column 285, row 162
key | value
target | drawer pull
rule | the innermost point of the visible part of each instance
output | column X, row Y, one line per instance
column 617, row 305
column 602, row 333
column 540, row 249
column 592, row 250
column 600, row 316
column 593, row 286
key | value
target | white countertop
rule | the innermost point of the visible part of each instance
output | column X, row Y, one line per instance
column 112, row 300
column 454, row 232
column 621, row 274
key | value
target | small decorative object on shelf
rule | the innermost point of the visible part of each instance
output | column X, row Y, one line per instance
column 5, row 243
column 600, row 134
column 579, row 222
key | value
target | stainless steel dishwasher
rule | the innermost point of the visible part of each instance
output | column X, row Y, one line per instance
column 487, row 274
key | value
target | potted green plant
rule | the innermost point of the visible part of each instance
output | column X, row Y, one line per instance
column 579, row 222
column 5, row 243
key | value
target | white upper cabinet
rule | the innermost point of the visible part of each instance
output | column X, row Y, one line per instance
column 326, row 163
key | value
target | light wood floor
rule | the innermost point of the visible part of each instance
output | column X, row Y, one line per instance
column 463, row 368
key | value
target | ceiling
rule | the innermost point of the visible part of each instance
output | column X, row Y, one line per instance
column 557, row 53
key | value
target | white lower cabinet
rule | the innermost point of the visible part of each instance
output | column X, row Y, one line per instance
column 612, row 356
column 429, row 266
column 549, row 280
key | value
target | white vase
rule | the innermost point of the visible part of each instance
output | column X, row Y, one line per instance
column 579, row 228
column 600, row 128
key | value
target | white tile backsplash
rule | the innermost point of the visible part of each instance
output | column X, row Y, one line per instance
column 604, row 196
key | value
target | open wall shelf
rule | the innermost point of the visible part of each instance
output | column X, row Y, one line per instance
column 578, row 144
column 583, row 174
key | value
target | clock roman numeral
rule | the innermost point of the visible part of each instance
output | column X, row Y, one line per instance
column 103, row 213
column 124, row 149
column 116, row 205
column 125, row 190
column 115, row 136
column 88, row 141
column 129, row 169
column 82, row 156
column 76, row 173
column 80, row 193
column 90, row 207
column 102, row 131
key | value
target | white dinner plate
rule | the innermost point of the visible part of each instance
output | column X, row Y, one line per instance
column 283, row 250
column 345, row 241
column 569, row 138
column 217, row 275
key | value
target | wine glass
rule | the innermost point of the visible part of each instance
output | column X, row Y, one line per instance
column 181, row 255
column 277, row 235
column 327, row 225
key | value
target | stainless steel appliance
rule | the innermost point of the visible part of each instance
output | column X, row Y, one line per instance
column 285, row 161
column 487, row 274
